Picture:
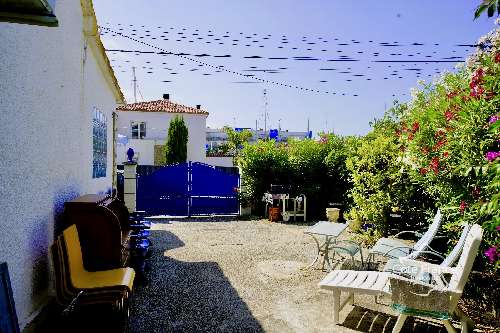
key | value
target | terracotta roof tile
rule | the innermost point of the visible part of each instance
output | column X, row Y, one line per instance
column 162, row 105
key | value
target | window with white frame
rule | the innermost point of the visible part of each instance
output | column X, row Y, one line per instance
column 138, row 129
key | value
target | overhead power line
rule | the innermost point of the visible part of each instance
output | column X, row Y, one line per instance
column 220, row 68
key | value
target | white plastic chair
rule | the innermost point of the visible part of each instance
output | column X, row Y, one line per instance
column 395, row 266
column 411, row 297
column 396, row 248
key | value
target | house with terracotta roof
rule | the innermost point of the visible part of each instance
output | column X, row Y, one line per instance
column 58, row 94
column 144, row 127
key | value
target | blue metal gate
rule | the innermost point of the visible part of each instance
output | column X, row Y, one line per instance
column 186, row 189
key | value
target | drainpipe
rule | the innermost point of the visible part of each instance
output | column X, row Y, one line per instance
column 113, row 182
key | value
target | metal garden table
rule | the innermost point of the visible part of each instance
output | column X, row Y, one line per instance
column 330, row 231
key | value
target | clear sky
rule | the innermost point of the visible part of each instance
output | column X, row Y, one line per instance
column 334, row 47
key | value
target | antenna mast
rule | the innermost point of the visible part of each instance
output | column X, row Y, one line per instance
column 266, row 103
column 134, row 80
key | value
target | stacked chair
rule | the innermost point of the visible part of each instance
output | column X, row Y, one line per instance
column 139, row 241
column 77, row 286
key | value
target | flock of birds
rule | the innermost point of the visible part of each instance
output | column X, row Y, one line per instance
column 265, row 56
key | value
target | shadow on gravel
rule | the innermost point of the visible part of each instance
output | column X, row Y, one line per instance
column 187, row 296
column 364, row 320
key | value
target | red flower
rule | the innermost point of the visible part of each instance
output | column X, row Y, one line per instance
column 425, row 150
column 446, row 154
column 497, row 57
column 477, row 91
column 423, row 171
column 440, row 134
column 398, row 132
column 410, row 136
column 434, row 165
column 415, row 127
column 449, row 115
column 439, row 144
column 478, row 76
column 452, row 94
column 463, row 206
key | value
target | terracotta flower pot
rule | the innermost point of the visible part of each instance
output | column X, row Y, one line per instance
column 274, row 214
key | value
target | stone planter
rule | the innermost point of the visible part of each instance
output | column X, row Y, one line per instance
column 245, row 211
column 333, row 214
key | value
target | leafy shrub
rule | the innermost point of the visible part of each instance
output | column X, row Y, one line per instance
column 380, row 183
column 308, row 166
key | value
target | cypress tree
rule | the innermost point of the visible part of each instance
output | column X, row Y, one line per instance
column 176, row 145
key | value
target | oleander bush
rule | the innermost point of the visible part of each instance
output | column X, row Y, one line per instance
column 450, row 137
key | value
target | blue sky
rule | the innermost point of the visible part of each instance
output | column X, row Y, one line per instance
column 334, row 47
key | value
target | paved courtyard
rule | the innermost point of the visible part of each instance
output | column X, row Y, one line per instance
column 244, row 276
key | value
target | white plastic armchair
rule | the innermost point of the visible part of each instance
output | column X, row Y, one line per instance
column 395, row 248
column 395, row 266
column 411, row 297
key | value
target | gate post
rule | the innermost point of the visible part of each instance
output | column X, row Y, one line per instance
column 130, row 185
column 245, row 208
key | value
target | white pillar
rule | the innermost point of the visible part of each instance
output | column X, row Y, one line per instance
column 245, row 209
column 130, row 185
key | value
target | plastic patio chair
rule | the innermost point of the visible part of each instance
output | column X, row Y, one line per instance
column 411, row 297
column 395, row 266
column 395, row 248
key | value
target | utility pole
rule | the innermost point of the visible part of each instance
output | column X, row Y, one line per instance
column 308, row 126
column 279, row 125
column 134, row 80
column 265, row 111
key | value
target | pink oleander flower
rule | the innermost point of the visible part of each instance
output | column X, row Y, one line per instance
column 434, row 165
column 415, row 127
column 449, row 115
column 492, row 155
column 492, row 254
column 494, row 119
column 463, row 206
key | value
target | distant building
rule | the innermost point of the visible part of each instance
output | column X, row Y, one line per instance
column 144, row 127
column 217, row 137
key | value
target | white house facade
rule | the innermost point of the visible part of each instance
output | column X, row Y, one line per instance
column 58, row 94
column 144, row 126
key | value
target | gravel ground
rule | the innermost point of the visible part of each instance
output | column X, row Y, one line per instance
column 244, row 276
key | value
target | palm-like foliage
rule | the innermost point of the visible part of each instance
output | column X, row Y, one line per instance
column 489, row 6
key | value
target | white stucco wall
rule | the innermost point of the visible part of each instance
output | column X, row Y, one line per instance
column 144, row 150
column 47, row 92
column 157, row 124
column 224, row 161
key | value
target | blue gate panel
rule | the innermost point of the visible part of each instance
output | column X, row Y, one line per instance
column 214, row 205
column 208, row 181
column 191, row 188
column 165, row 191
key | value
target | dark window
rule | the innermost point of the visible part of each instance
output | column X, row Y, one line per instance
column 100, row 144
column 138, row 129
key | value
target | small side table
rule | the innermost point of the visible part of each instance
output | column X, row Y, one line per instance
column 330, row 231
